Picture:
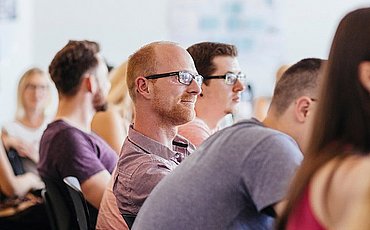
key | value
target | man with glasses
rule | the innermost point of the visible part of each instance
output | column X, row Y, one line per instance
column 239, row 176
column 163, row 84
column 221, row 88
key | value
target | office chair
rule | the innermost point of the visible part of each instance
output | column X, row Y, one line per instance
column 79, row 202
column 59, row 215
column 129, row 219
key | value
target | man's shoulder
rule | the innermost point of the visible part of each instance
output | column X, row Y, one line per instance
column 136, row 163
column 251, row 129
column 253, row 137
column 59, row 129
column 10, row 125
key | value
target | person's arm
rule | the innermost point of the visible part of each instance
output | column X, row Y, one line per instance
column 279, row 207
column 80, row 159
column 23, row 148
column 94, row 187
column 109, row 126
column 268, row 170
column 12, row 185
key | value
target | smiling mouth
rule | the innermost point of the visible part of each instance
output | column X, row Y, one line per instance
column 188, row 101
column 236, row 99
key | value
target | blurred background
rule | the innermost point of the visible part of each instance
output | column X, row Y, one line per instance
column 268, row 33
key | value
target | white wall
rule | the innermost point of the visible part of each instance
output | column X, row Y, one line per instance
column 15, row 55
column 122, row 26
column 309, row 25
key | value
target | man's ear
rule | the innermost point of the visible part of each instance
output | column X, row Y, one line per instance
column 302, row 108
column 142, row 87
column 364, row 74
column 89, row 83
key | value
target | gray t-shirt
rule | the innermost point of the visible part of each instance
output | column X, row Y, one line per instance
column 228, row 183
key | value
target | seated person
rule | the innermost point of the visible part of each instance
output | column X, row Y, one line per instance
column 68, row 147
column 163, row 84
column 331, row 190
column 238, row 177
column 24, row 133
column 19, row 208
column 221, row 88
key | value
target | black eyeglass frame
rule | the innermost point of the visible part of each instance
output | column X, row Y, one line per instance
column 178, row 73
column 238, row 76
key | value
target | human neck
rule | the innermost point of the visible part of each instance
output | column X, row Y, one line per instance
column 282, row 123
column 32, row 119
column 209, row 116
column 155, row 128
column 76, row 113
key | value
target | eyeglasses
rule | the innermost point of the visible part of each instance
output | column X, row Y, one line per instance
column 34, row 87
column 230, row 78
column 184, row 77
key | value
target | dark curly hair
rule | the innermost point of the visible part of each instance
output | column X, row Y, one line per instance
column 70, row 63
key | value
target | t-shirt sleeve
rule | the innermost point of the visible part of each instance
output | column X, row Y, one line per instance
column 9, row 128
column 269, row 169
column 76, row 155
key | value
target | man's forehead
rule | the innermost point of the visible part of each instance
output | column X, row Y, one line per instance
column 174, row 59
column 228, row 63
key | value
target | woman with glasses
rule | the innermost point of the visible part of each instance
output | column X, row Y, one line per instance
column 332, row 188
column 21, row 205
column 23, row 134
column 221, row 89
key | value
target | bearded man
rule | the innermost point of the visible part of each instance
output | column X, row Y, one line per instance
column 68, row 147
column 163, row 84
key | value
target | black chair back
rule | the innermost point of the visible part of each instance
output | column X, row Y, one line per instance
column 15, row 161
column 79, row 202
column 129, row 219
column 60, row 217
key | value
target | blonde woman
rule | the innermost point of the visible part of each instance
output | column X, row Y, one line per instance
column 112, row 125
column 23, row 134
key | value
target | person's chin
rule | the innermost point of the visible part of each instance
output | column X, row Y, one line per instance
column 188, row 116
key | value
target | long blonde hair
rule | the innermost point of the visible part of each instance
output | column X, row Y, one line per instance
column 119, row 94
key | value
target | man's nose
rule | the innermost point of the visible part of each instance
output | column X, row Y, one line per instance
column 239, row 86
column 194, row 88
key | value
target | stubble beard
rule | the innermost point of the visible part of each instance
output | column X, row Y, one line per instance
column 177, row 115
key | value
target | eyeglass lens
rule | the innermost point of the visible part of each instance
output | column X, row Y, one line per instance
column 186, row 78
column 231, row 78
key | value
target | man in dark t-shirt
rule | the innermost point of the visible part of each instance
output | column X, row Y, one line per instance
column 68, row 147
